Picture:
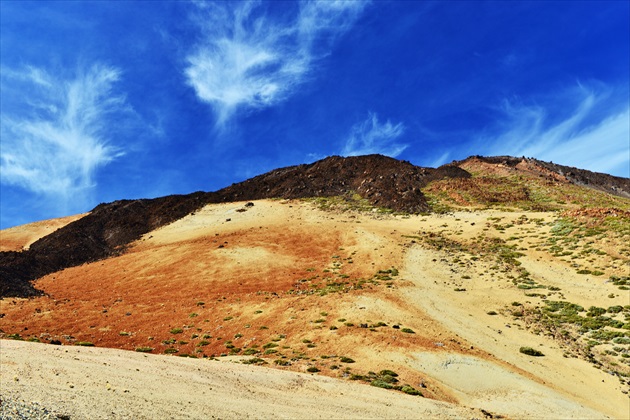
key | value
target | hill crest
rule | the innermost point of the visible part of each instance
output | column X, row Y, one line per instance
column 382, row 181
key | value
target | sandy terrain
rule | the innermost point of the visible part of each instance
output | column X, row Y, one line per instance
column 300, row 287
column 21, row 237
column 108, row 383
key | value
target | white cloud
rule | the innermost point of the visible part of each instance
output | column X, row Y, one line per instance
column 371, row 136
column 55, row 133
column 592, row 137
column 247, row 60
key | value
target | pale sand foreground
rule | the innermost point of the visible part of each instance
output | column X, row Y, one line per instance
column 107, row 383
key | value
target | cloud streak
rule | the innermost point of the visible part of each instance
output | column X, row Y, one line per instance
column 371, row 136
column 594, row 136
column 56, row 133
column 246, row 60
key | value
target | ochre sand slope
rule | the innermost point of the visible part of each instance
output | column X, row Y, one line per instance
column 286, row 274
column 20, row 237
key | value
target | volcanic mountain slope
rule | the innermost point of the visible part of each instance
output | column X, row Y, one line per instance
column 107, row 229
column 453, row 305
column 382, row 181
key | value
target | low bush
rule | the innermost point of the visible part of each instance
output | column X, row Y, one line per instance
column 381, row 384
column 531, row 351
column 411, row 390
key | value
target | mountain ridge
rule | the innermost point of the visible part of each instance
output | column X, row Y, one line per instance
column 382, row 181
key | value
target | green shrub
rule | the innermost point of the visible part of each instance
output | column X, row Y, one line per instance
column 144, row 349
column 388, row 378
column 381, row 384
column 312, row 369
column 176, row 331
column 411, row 390
column 345, row 359
column 254, row 361
column 530, row 351
column 388, row 372
column 84, row 344
column 171, row 350
column 408, row 331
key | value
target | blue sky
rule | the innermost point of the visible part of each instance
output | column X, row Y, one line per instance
column 105, row 100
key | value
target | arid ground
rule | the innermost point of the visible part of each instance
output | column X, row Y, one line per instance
column 293, row 308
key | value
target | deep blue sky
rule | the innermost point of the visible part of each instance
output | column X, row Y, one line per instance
column 105, row 100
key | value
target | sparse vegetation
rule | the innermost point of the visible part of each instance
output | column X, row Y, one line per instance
column 531, row 351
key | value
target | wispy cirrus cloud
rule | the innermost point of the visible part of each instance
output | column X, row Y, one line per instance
column 595, row 135
column 247, row 59
column 57, row 132
column 371, row 136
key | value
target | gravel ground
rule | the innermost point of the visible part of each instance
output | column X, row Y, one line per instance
column 14, row 408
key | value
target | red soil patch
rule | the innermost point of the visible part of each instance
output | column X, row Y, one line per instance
column 244, row 287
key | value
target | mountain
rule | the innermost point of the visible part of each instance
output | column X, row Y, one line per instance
column 497, row 285
column 382, row 181
column 108, row 228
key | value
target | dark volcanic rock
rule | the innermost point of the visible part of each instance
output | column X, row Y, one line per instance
column 109, row 228
column 383, row 181
column 611, row 184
